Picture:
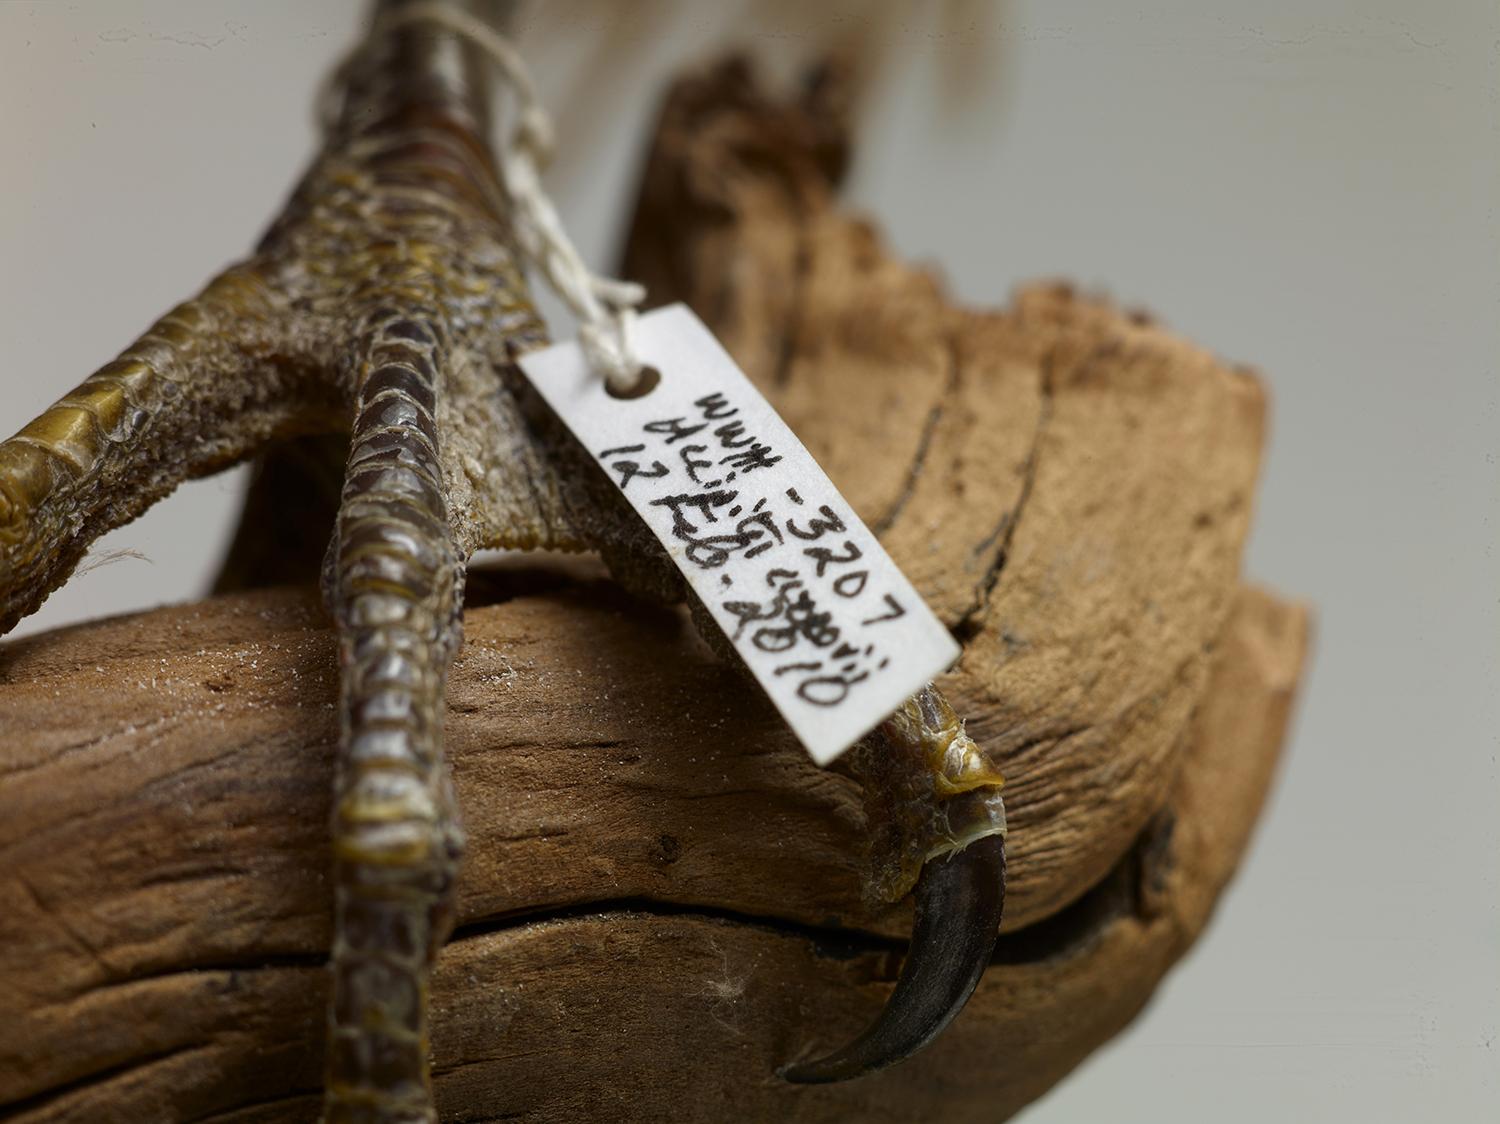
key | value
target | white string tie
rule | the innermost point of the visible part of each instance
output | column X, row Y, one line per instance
column 606, row 309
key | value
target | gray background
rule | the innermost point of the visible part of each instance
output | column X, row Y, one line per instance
column 1308, row 186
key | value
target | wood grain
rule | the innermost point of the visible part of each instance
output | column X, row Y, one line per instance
column 662, row 902
column 1070, row 486
column 663, row 899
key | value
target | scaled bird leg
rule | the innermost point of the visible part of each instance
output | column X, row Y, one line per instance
column 202, row 388
column 937, row 802
column 396, row 589
column 441, row 301
column 390, row 287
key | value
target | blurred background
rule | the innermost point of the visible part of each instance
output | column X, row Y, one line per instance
column 1306, row 186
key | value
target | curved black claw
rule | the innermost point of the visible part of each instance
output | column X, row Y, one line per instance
column 959, row 902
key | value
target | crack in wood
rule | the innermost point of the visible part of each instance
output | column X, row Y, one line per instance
column 786, row 355
column 312, row 1097
column 924, row 442
column 1067, row 933
column 46, row 1098
column 971, row 621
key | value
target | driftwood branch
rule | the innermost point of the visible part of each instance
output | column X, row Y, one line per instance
column 662, row 897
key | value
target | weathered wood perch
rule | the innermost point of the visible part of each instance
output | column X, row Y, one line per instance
column 661, row 901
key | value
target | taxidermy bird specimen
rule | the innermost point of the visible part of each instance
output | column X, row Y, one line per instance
column 388, row 303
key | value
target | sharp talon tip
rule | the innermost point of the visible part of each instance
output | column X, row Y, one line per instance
column 959, row 903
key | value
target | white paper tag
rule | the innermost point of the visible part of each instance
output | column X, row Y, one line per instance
column 831, row 629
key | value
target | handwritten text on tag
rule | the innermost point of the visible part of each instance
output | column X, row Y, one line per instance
column 828, row 625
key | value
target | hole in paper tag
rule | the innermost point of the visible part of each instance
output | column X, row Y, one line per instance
column 645, row 383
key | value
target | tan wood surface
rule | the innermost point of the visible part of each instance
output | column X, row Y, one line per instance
column 663, row 899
